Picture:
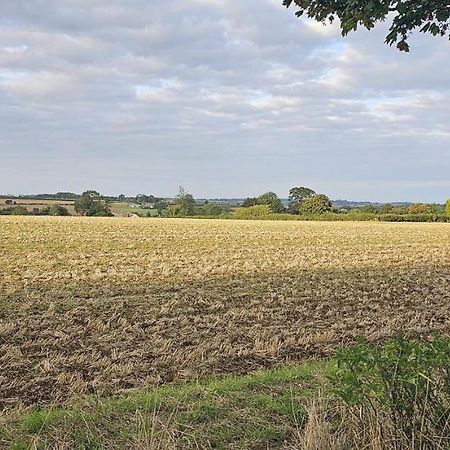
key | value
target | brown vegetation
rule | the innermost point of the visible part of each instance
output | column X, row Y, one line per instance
column 91, row 305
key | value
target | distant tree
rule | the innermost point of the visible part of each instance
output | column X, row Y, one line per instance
column 386, row 208
column 419, row 208
column 367, row 209
column 184, row 204
column 19, row 210
column 8, row 202
column 400, row 210
column 429, row 16
column 91, row 204
column 160, row 205
column 143, row 199
column 447, row 207
column 253, row 212
column 296, row 197
column 175, row 210
column 58, row 210
column 250, row 201
column 317, row 204
column 436, row 209
column 210, row 209
column 271, row 199
column 121, row 198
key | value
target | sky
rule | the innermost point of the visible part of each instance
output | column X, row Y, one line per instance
column 227, row 98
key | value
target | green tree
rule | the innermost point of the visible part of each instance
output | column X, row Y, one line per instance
column 447, row 207
column 19, row 211
column 317, row 204
column 174, row 210
column 58, row 210
column 91, row 204
column 271, row 199
column 210, row 209
column 184, row 204
column 253, row 212
column 367, row 209
column 428, row 16
column 296, row 197
column 250, row 201
column 386, row 208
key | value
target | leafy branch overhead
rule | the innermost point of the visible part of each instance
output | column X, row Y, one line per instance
column 428, row 16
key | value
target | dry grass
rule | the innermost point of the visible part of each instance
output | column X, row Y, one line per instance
column 100, row 306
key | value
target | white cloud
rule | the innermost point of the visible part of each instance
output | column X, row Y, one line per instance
column 219, row 86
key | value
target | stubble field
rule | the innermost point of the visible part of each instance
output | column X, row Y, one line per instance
column 100, row 306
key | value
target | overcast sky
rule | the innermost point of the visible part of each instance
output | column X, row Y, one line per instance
column 229, row 98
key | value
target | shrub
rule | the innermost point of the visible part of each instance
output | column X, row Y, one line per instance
column 253, row 212
column 414, row 218
column 175, row 210
column 58, row 210
column 210, row 209
column 19, row 211
column 406, row 382
column 447, row 207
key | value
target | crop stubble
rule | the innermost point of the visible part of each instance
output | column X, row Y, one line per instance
column 98, row 306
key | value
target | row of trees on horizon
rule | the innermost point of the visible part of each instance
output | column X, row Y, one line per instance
column 302, row 201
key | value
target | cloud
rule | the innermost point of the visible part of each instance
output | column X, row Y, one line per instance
column 226, row 97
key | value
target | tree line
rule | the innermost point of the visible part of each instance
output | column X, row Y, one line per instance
column 302, row 201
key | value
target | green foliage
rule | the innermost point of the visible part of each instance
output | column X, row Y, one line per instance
column 253, row 212
column 251, row 201
column 91, row 204
column 58, row 210
column 386, row 208
column 296, row 197
column 447, row 207
column 414, row 218
column 271, row 199
column 317, row 204
column 19, row 210
column 367, row 209
column 210, row 209
column 408, row 381
column 429, row 16
column 184, row 205
column 175, row 210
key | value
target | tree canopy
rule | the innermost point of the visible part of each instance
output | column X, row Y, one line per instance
column 317, row 204
column 428, row 16
column 91, row 204
column 297, row 195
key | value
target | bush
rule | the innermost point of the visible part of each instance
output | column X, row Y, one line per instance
column 407, row 384
column 447, row 207
column 414, row 218
column 19, row 211
column 58, row 210
column 210, row 209
column 253, row 212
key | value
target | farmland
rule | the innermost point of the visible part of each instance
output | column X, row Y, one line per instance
column 100, row 306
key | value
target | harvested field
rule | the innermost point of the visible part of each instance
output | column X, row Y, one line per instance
column 93, row 305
